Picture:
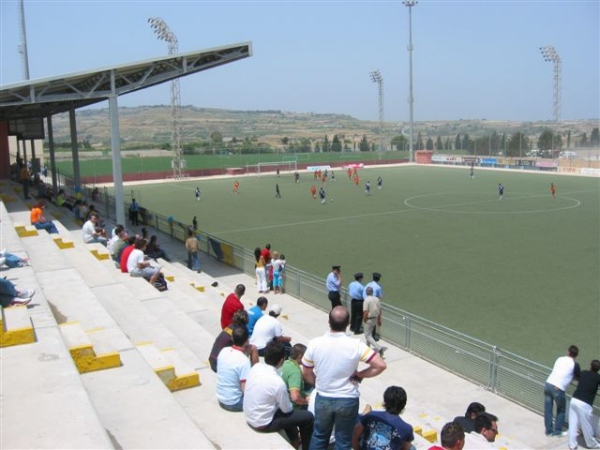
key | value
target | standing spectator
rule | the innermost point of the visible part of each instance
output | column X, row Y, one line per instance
column 261, row 271
column 137, row 266
column 256, row 312
column 24, row 176
column 486, row 430
column 11, row 296
column 267, row 405
column 333, row 283
column 195, row 224
column 377, row 292
column 385, row 429
column 39, row 221
column 372, row 318
column 240, row 318
column 564, row 371
column 233, row 367
column 452, row 437
column 92, row 232
column 268, row 329
column 277, row 266
column 291, row 373
column 231, row 304
column 468, row 420
column 134, row 210
column 192, row 247
column 581, row 409
column 330, row 364
column 266, row 254
column 355, row 291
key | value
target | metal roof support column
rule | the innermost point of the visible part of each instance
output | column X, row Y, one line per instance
column 52, row 156
column 74, row 149
column 115, row 143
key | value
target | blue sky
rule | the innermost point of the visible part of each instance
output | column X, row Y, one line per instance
column 472, row 59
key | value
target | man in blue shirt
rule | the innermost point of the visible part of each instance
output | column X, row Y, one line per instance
column 256, row 312
column 333, row 283
column 355, row 291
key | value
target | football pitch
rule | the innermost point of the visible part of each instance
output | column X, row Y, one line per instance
column 522, row 273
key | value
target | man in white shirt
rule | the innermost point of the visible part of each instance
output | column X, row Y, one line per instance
column 267, row 329
column 233, row 367
column 137, row 266
column 91, row 232
column 564, row 371
column 330, row 363
column 267, row 405
column 486, row 430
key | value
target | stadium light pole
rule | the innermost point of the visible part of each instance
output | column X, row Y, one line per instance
column 411, row 100
column 550, row 54
column 164, row 33
column 23, row 47
column 377, row 78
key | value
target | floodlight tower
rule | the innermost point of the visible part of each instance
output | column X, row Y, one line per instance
column 550, row 54
column 411, row 100
column 23, row 47
column 377, row 78
column 164, row 33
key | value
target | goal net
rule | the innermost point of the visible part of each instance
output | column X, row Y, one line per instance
column 272, row 167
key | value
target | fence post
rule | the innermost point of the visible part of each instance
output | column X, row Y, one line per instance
column 494, row 369
column 408, row 332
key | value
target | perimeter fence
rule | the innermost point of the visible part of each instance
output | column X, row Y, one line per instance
column 507, row 374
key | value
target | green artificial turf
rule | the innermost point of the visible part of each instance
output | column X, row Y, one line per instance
column 521, row 273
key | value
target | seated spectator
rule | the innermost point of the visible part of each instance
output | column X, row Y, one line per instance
column 43, row 192
column 119, row 245
column 484, row 434
column 80, row 210
column 110, row 245
column 126, row 252
column 291, row 373
column 240, row 318
column 268, row 329
column 232, row 303
column 256, row 312
column 154, row 251
column 91, row 210
column 39, row 221
column 452, row 437
column 11, row 296
column 137, row 266
column 92, row 232
column 267, row 405
column 384, row 429
column 233, row 367
column 11, row 261
column 61, row 199
column 468, row 421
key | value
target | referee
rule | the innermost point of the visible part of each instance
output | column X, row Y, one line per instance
column 333, row 283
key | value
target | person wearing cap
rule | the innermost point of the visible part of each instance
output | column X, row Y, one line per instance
column 333, row 283
column 268, row 329
column 355, row 291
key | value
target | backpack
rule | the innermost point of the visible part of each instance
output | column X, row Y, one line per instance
column 160, row 283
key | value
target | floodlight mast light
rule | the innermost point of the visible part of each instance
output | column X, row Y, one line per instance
column 164, row 33
column 550, row 54
column 377, row 78
column 411, row 100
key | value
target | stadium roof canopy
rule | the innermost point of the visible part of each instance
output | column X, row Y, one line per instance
column 36, row 99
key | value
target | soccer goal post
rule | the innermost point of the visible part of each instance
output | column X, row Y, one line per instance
column 271, row 167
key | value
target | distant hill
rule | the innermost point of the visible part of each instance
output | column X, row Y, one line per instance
column 151, row 126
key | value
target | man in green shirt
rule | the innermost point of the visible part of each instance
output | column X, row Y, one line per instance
column 291, row 373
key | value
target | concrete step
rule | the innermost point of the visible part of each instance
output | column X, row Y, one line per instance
column 169, row 367
column 16, row 327
column 82, row 350
column 24, row 230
